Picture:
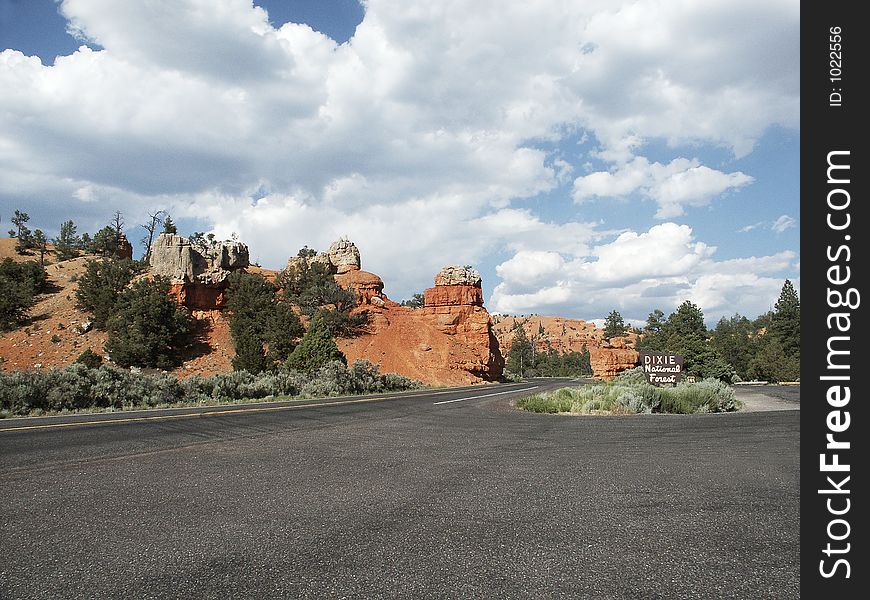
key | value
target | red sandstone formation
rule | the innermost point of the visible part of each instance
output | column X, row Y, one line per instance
column 612, row 358
column 457, row 310
column 571, row 335
column 366, row 285
column 125, row 249
column 449, row 341
column 199, row 296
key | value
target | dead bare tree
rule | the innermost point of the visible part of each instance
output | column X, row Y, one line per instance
column 155, row 220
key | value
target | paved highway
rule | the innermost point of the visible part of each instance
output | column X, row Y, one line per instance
column 447, row 493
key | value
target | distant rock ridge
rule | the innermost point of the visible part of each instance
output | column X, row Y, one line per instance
column 608, row 357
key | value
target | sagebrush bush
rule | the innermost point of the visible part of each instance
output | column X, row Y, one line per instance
column 708, row 395
column 79, row 386
column 629, row 376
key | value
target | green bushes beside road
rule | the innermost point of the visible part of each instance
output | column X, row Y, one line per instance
column 78, row 387
column 629, row 394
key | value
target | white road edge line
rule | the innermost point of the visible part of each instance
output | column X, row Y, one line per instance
column 486, row 395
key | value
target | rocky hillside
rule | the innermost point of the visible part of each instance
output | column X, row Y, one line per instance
column 446, row 342
column 608, row 357
column 451, row 339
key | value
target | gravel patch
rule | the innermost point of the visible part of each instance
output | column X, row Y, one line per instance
column 759, row 398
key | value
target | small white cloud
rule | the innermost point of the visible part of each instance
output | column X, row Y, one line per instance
column 675, row 185
column 783, row 223
column 749, row 228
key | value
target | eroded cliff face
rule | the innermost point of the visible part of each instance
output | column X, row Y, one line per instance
column 198, row 272
column 449, row 341
column 455, row 307
column 612, row 357
column 608, row 357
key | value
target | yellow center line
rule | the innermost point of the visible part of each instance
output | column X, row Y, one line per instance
column 212, row 413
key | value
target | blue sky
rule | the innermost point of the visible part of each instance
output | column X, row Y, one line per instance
column 583, row 158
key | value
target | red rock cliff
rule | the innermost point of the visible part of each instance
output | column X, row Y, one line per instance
column 456, row 309
column 448, row 341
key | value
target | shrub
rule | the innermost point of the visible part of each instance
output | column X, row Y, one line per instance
column 311, row 286
column 708, row 395
column 147, row 328
column 630, row 376
column 316, row 349
column 258, row 320
column 19, row 285
column 100, row 287
column 78, row 387
column 90, row 359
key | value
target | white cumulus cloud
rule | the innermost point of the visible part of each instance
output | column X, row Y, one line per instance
column 673, row 186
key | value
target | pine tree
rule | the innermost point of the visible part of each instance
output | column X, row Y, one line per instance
column 686, row 335
column 67, row 243
column 105, row 242
column 100, row 287
column 653, row 338
column 316, row 349
column 169, row 225
column 147, row 328
column 786, row 325
column 257, row 319
column 21, row 232
column 250, row 353
column 735, row 340
column 614, row 325
column 40, row 243
column 520, row 357
column 19, row 284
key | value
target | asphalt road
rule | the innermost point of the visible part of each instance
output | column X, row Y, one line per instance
column 450, row 494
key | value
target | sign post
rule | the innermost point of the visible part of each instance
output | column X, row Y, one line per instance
column 660, row 368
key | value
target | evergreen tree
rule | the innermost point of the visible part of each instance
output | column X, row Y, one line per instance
column 316, row 349
column 311, row 286
column 21, row 232
column 786, row 325
column 250, row 353
column 521, row 357
column 653, row 338
column 686, row 320
column 148, row 329
column 169, row 225
column 40, row 244
column 67, row 243
column 282, row 330
column 416, row 301
column 614, row 325
column 772, row 363
column 19, row 285
column 85, row 242
column 686, row 335
column 736, row 341
column 257, row 318
column 90, row 359
column 105, row 242
column 100, row 287
column 19, row 219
